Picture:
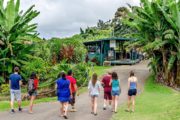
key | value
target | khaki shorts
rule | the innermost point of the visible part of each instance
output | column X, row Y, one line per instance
column 15, row 94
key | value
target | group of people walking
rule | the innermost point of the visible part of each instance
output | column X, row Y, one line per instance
column 112, row 90
column 15, row 82
column 67, row 90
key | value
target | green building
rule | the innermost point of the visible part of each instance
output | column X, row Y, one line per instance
column 111, row 50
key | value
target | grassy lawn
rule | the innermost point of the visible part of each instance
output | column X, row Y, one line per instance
column 4, row 105
column 100, row 70
column 157, row 102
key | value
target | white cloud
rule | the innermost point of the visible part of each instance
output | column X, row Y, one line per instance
column 63, row 18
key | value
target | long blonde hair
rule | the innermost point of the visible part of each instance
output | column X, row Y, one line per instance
column 94, row 79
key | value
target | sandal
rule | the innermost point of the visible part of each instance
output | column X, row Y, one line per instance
column 127, row 110
column 65, row 117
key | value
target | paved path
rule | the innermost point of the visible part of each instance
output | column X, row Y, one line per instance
column 50, row 111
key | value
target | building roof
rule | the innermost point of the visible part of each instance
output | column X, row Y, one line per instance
column 107, row 39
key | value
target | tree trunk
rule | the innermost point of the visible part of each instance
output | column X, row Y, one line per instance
column 178, row 74
column 165, row 70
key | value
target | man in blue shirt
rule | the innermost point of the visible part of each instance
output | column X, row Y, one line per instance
column 15, row 88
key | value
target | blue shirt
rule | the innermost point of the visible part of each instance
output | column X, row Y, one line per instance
column 63, row 90
column 15, row 78
column 115, row 85
column 133, row 85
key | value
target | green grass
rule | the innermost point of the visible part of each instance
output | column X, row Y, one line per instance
column 100, row 70
column 157, row 102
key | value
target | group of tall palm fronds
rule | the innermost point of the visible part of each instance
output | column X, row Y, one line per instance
column 15, row 29
column 158, row 31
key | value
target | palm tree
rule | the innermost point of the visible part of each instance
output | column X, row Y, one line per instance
column 15, row 27
column 158, row 26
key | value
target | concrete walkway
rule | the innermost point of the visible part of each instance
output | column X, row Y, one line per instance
column 50, row 111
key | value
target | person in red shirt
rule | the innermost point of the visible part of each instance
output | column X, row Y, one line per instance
column 34, row 93
column 73, row 89
column 107, row 89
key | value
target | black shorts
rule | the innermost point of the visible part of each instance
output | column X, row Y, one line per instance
column 132, row 92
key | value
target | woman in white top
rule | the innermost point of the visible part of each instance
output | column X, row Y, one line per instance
column 94, row 90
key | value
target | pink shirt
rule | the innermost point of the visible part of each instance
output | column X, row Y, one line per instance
column 106, row 80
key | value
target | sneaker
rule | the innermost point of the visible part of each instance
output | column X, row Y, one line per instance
column 30, row 112
column 12, row 111
column 95, row 114
column 73, row 110
column 20, row 109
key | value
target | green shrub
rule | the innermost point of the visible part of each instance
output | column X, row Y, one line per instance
column 1, row 80
column 4, row 89
column 36, row 64
column 81, row 73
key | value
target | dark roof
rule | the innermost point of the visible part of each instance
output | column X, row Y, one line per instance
column 107, row 39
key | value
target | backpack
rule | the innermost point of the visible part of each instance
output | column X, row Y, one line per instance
column 31, row 86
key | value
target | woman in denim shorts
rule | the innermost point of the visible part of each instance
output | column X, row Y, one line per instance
column 94, row 90
column 116, row 90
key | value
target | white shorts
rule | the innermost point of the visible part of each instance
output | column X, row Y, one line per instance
column 15, row 94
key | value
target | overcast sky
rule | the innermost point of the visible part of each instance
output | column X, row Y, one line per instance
column 63, row 18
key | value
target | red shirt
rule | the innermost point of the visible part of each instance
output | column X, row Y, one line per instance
column 73, row 82
column 106, row 80
column 36, row 81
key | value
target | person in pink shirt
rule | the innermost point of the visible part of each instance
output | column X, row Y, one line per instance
column 73, row 89
column 107, row 90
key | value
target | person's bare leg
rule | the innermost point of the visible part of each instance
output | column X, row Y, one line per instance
column 12, row 104
column 105, row 103
column 110, row 102
column 95, row 105
column 12, row 100
column 65, row 108
column 116, row 103
column 31, row 103
column 19, row 103
column 133, row 103
column 129, row 102
column 113, row 103
column 92, row 104
column 61, row 109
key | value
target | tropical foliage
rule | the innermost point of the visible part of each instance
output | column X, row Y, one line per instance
column 20, row 46
column 15, row 27
column 158, row 31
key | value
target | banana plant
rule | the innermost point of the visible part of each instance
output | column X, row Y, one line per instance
column 158, row 28
column 15, row 26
